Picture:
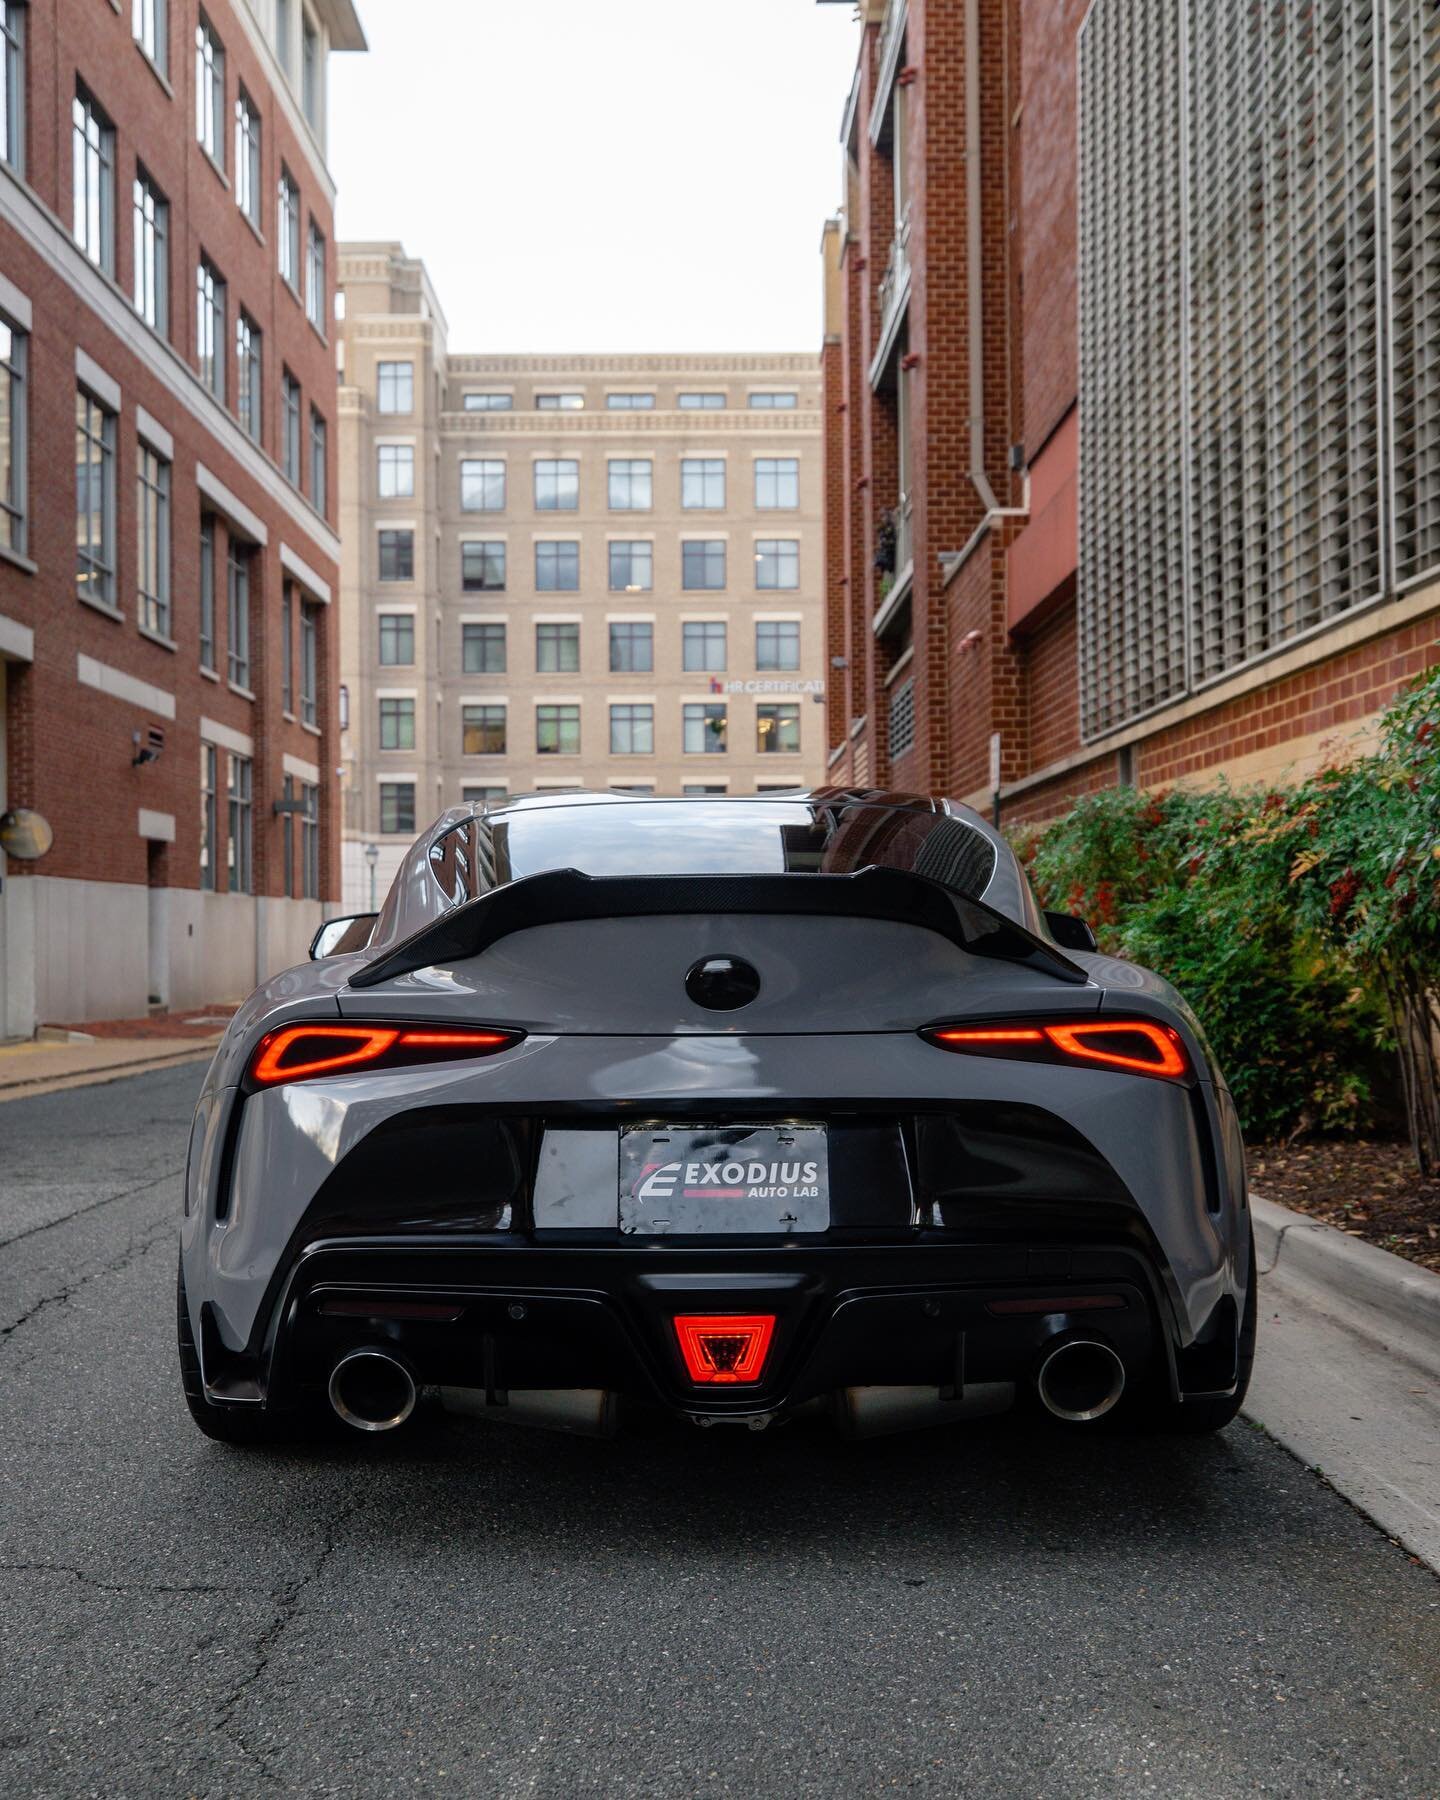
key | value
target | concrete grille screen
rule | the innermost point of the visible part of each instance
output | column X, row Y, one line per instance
column 1259, row 218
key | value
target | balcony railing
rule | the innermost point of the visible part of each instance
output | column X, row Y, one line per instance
column 895, row 16
column 895, row 284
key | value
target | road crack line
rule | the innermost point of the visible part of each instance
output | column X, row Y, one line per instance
column 133, row 1252
column 80, row 1212
column 288, row 1606
column 86, row 1579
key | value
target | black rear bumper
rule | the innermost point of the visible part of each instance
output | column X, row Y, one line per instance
column 502, row 1317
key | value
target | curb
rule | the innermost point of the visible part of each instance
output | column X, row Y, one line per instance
column 1385, row 1298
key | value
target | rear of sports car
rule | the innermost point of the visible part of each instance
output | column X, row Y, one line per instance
column 728, row 1108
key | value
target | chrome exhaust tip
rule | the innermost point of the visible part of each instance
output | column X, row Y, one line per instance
column 1080, row 1379
column 371, row 1390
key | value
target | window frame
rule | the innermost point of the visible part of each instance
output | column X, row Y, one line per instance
column 395, row 717
column 622, row 469
column 705, row 633
column 316, row 277
column 240, row 824
column 563, row 718
column 309, row 662
column 14, row 500
column 786, row 631
column 100, row 561
column 632, row 632
column 290, row 410
column 211, row 313
column 477, row 488
column 776, row 469
column 239, row 568
column 708, row 551
column 703, row 715
column 92, row 171
column 484, row 550
column 393, row 794
column 152, row 538
column 249, row 375
column 398, row 459
column 638, row 720
column 388, row 377
column 399, row 628
column 698, row 474
column 484, row 717
column 552, row 551
column 403, row 537
column 562, row 476
column 210, row 110
column 557, row 647
column 779, row 713
column 206, row 608
column 483, row 636
column 209, row 816
column 248, row 159
column 319, row 460
column 13, row 21
column 287, row 229
column 150, row 252
column 626, row 549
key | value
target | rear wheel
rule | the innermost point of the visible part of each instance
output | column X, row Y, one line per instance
column 226, row 1424
column 1197, row 1418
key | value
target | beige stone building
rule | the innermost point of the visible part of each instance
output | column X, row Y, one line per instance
column 562, row 572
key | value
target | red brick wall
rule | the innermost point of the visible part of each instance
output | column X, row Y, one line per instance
column 832, row 389
column 1328, row 696
column 70, row 747
column 1052, row 687
column 1046, row 215
column 1050, row 799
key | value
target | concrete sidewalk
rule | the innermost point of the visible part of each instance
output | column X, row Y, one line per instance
column 1347, row 1373
column 66, row 1056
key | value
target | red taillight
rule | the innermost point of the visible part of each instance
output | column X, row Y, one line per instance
column 724, row 1347
column 1134, row 1045
column 299, row 1052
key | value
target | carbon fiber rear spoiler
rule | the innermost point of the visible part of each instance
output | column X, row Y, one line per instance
column 561, row 895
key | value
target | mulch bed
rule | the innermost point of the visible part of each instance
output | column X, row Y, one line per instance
column 1370, row 1189
column 194, row 1022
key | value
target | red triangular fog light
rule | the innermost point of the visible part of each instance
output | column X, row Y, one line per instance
column 724, row 1346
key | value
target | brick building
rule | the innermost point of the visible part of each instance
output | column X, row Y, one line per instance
column 1132, row 432
column 168, row 552
column 599, row 571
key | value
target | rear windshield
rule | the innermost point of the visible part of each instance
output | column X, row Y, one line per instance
column 729, row 837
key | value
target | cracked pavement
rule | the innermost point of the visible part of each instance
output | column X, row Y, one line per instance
column 998, row 1609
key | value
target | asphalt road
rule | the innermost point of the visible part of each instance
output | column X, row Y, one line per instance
column 491, row 1611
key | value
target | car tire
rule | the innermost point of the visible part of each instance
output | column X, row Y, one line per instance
column 226, row 1424
column 1198, row 1418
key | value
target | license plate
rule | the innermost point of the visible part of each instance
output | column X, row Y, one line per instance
column 699, row 1180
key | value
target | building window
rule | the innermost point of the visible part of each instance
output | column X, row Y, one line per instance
column 287, row 231
column 777, row 483
column 152, row 254
column 482, row 649
column 95, row 500
column 309, row 663
column 902, row 719
column 702, row 565
column 700, row 402
column 93, row 181
column 702, row 484
column 482, row 730
column 238, row 850
column 209, row 805
column 774, row 402
column 287, row 650
column 777, row 727
column 777, row 644
column 310, row 70
column 703, row 646
column 630, row 402
column 557, row 730
column 397, row 555
column 152, row 572
column 482, row 568
column 632, row 485
column 395, row 471
column 632, row 730
column 705, row 726
column 395, row 387
column 210, row 326
column 482, row 484
column 249, row 374
column 777, row 563
column 484, row 796
column 632, row 647
column 210, row 92
column 247, row 159
column 12, row 437
column 488, row 402
column 315, row 277
column 705, row 787
column 290, row 427
column 397, row 640
column 559, row 403
column 12, row 84
column 397, row 807
column 237, row 591
column 557, row 486
column 319, row 461
column 310, row 840
column 632, row 568
column 207, row 592
column 557, row 649
column 397, row 724
column 557, row 568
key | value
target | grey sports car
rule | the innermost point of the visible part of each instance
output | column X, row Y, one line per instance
column 729, row 1107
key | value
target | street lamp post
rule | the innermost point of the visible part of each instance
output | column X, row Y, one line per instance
column 372, row 856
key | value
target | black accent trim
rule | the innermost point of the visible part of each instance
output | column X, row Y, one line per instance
column 561, row 895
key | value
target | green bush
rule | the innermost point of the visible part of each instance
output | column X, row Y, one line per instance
column 1302, row 925
column 1185, row 883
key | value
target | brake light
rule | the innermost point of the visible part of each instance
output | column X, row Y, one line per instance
column 1134, row 1045
column 300, row 1052
column 724, row 1347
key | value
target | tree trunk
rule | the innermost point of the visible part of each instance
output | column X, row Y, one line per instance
column 1415, row 1009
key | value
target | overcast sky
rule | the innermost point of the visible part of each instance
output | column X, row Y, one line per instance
column 578, row 175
